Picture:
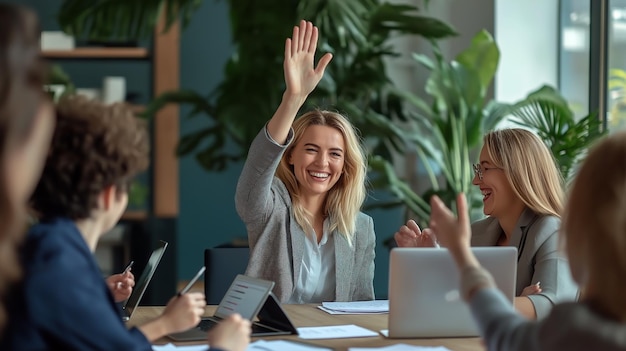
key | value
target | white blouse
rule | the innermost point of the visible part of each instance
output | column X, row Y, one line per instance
column 316, row 280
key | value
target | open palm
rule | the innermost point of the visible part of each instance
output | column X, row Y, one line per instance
column 301, row 76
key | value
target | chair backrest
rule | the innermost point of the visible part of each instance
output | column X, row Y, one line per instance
column 222, row 266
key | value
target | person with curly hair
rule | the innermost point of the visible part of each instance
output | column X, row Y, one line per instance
column 63, row 303
column 26, row 124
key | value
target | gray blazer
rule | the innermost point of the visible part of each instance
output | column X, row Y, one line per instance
column 539, row 259
column 277, row 242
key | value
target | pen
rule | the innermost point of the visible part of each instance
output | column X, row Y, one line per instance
column 192, row 281
column 128, row 267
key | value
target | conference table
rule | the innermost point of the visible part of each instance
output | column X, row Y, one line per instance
column 309, row 315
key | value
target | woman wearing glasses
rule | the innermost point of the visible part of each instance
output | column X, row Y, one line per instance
column 523, row 198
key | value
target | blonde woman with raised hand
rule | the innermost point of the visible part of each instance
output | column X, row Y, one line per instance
column 301, row 191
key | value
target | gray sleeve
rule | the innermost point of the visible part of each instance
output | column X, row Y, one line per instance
column 552, row 270
column 365, row 278
column 253, row 197
column 500, row 326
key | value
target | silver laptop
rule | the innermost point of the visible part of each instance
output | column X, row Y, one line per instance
column 424, row 298
column 253, row 300
column 142, row 283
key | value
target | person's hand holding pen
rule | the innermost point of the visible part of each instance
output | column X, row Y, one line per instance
column 121, row 284
column 184, row 310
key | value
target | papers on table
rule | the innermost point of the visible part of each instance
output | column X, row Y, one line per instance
column 284, row 345
column 400, row 347
column 335, row 332
column 172, row 347
column 259, row 345
column 356, row 307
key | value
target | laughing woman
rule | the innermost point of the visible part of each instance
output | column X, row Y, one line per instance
column 301, row 190
column 523, row 197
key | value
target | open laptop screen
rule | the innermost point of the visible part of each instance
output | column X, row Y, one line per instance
column 142, row 283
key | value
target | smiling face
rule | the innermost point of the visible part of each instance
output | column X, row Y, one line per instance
column 499, row 197
column 318, row 159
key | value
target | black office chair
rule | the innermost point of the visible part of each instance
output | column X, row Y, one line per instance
column 222, row 266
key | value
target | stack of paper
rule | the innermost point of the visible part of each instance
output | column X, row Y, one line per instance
column 335, row 332
column 356, row 307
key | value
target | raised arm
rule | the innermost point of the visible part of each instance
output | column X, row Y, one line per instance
column 499, row 324
column 301, row 77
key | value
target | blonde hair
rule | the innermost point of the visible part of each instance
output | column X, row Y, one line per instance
column 344, row 199
column 594, row 226
column 529, row 167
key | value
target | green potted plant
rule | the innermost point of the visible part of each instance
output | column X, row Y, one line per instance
column 121, row 21
column 448, row 130
column 356, row 83
column 357, row 32
column 547, row 113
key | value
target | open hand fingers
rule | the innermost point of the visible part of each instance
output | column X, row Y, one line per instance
column 412, row 225
column 309, row 34
column 302, row 35
column 405, row 237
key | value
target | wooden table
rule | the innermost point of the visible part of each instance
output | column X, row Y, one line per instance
column 310, row 315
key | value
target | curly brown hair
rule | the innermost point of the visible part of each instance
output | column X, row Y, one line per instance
column 94, row 146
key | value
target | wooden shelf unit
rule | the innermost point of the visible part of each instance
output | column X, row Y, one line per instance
column 165, row 60
column 135, row 215
column 99, row 52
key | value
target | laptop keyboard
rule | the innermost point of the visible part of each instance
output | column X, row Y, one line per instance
column 206, row 324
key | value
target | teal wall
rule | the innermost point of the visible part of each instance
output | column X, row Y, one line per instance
column 207, row 212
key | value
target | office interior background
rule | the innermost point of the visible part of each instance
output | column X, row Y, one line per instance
column 578, row 46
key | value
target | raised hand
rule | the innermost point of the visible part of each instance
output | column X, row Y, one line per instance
column 410, row 235
column 121, row 285
column 301, row 77
column 451, row 232
column 232, row 333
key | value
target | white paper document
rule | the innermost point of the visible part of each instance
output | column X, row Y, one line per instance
column 259, row 345
column 400, row 347
column 283, row 345
column 356, row 307
column 172, row 347
column 335, row 332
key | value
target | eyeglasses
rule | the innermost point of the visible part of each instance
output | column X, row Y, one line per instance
column 479, row 170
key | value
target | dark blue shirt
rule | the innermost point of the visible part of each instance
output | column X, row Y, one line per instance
column 63, row 303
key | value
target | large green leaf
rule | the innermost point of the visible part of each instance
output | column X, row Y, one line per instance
column 121, row 20
column 482, row 56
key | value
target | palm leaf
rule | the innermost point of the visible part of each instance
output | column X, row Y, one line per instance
column 547, row 113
